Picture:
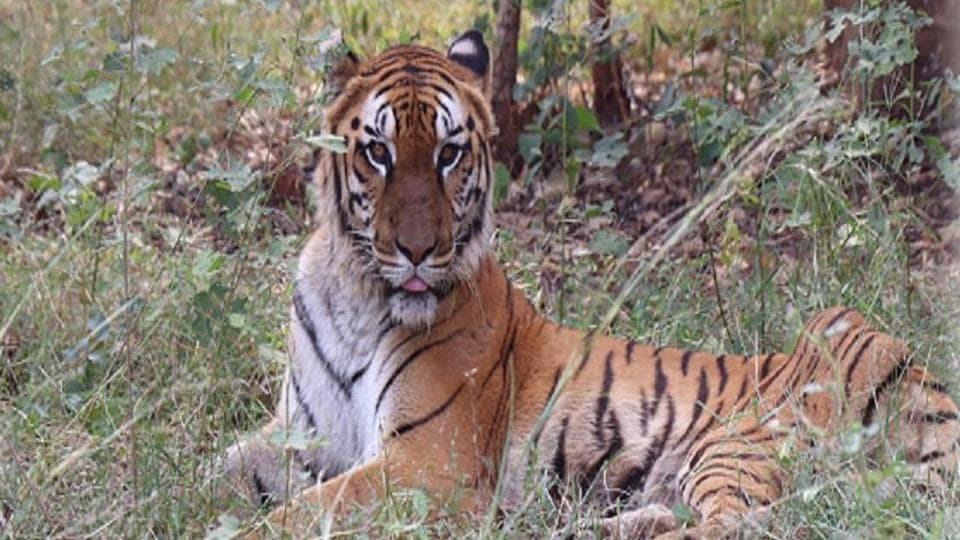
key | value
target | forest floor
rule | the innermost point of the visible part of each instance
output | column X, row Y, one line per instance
column 151, row 211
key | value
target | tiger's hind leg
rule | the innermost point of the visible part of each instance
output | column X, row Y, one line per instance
column 645, row 522
column 842, row 373
column 922, row 424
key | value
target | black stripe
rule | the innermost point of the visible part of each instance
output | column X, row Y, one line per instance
column 616, row 444
column 644, row 417
column 935, row 386
column 871, row 407
column 722, row 368
column 441, row 90
column 767, row 382
column 586, row 356
column 307, row 324
column 397, row 347
column 659, row 386
column 734, row 474
column 559, row 461
column 405, row 428
column 360, row 176
column 413, row 356
column 703, row 390
column 298, row 393
column 854, row 339
column 338, row 191
column 843, row 313
column 733, row 490
column 506, row 352
column 262, row 493
column 765, row 368
column 926, row 458
column 359, row 373
column 474, row 228
column 629, row 356
column 656, row 449
column 706, row 427
column 603, row 401
column 743, row 389
column 939, row 417
column 685, row 362
column 629, row 484
column 856, row 361
column 742, row 437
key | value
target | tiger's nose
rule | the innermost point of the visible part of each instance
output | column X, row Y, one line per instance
column 416, row 251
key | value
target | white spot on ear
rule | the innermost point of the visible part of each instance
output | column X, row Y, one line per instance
column 464, row 47
column 836, row 328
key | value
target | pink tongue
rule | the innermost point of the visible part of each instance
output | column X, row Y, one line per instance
column 415, row 285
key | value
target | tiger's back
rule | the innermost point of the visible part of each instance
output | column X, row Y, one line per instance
column 416, row 360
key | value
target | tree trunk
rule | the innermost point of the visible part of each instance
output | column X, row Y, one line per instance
column 938, row 45
column 610, row 100
column 504, row 79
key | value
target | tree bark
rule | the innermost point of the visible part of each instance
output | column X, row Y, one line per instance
column 610, row 100
column 503, row 80
column 938, row 45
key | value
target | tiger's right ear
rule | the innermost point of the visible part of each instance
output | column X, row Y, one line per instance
column 471, row 52
column 344, row 66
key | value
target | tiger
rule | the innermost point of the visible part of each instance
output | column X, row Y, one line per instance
column 417, row 364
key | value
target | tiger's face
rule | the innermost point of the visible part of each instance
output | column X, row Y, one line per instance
column 412, row 188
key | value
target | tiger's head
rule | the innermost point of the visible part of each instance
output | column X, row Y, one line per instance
column 411, row 194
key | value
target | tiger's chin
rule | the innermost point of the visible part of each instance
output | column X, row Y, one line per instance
column 414, row 310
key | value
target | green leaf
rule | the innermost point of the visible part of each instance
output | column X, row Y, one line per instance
column 208, row 263
column 8, row 81
column 153, row 61
column 501, row 182
column 229, row 528
column 608, row 151
column 586, row 119
column 609, row 242
column 950, row 169
column 529, row 145
column 237, row 320
column 101, row 93
column 295, row 439
column 237, row 178
column 271, row 5
column 333, row 143
column 683, row 514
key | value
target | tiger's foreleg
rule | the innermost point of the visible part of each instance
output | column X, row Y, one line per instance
column 401, row 466
column 263, row 471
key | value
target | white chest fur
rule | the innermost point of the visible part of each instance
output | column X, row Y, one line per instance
column 338, row 334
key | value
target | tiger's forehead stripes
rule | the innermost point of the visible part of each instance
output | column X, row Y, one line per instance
column 378, row 119
column 417, row 80
column 423, row 107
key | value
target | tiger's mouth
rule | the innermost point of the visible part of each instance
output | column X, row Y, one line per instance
column 415, row 285
column 415, row 297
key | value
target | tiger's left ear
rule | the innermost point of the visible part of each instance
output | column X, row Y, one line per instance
column 470, row 51
column 344, row 67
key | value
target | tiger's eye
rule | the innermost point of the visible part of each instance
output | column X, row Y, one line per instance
column 447, row 153
column 448, row 156
column 378, row 154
